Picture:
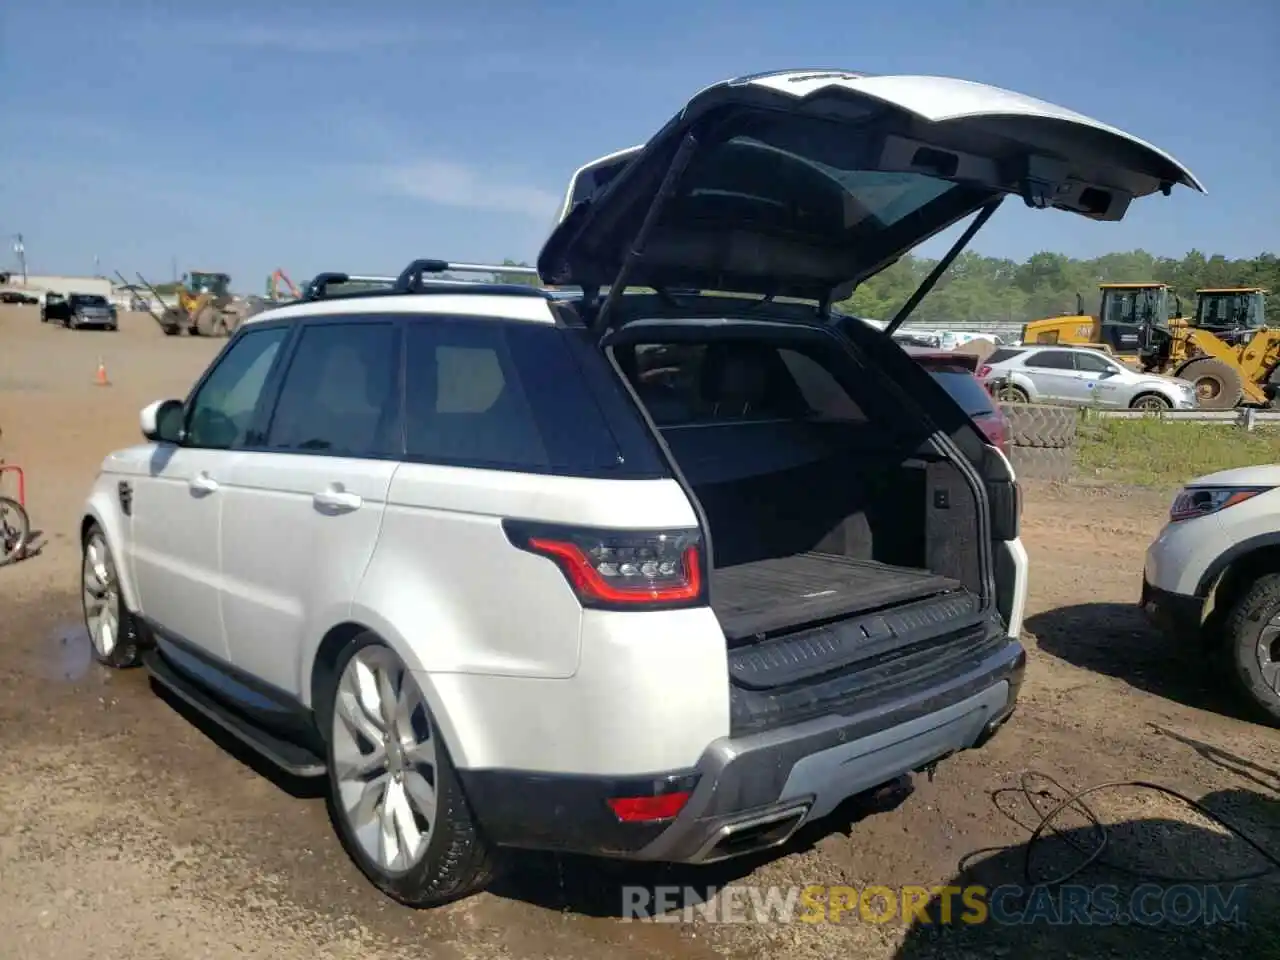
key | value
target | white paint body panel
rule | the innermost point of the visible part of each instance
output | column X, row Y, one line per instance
column 942, row 99
column 290, row 567
column 530, row 309
column 1183, row 552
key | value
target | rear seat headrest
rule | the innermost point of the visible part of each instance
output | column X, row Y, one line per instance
column 740, row 375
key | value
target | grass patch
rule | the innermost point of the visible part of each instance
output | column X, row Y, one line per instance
column 1167, row 453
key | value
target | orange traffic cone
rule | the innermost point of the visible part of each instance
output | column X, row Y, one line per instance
column 100, row 379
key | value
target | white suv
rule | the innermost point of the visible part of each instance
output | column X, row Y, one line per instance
column 1212, row 576
column 660, row 576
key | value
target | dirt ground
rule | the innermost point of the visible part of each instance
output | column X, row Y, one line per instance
column 128, row 830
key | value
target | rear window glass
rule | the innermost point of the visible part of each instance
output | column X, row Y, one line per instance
column 505, row 396
column 964, row 389
column 1002, row 354
column 735, row 381
column 88, row 300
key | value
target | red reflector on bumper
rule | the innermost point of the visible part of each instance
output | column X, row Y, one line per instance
column 639, row 809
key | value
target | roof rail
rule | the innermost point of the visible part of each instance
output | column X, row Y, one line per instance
column 413, row 277
column 318, row 288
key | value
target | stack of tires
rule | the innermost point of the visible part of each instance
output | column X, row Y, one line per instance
column 1042, row 440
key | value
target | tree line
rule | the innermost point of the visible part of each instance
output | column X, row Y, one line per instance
column 978, row 289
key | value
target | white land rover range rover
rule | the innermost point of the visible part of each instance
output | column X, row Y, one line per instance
column 659, row 575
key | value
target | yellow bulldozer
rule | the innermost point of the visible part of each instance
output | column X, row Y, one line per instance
column 205, row 307
column 1225, row 348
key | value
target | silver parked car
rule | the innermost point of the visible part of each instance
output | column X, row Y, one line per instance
column 1080, row 375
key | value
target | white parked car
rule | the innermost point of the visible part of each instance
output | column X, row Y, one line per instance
column 1081, row 375
column 660, row 576
column 1213, row 575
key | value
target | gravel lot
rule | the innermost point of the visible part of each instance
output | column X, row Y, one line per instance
column 127, row 830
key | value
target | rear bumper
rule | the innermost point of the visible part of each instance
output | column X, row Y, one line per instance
column 752, row 792
column 1174, row 614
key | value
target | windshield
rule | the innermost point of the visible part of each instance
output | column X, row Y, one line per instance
column 1137, row 306
column 88, row 300
column 1229, row 310
column 215, row 283
column 771, row 184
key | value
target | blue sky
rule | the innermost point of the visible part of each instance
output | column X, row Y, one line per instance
column 249, row 136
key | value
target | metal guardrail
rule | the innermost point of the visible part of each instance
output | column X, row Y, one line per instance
column 1246, row 417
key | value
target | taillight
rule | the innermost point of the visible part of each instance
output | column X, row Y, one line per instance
column 996, row 430
column 620, row 570
column 984, row 371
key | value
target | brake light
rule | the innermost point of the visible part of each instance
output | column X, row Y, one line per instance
column 617, row 569
column 984, row 371
column 996, row 429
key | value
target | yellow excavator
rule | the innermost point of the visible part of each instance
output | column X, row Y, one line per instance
column 1125, row 310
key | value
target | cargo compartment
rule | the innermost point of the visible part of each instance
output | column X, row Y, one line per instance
column 838, row 541
column 765, row 596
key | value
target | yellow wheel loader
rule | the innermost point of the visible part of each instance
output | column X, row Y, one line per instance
column 205, row 307
column 1125, row 311
column 1226, row 349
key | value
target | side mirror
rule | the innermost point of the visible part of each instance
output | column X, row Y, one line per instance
column 161, row 421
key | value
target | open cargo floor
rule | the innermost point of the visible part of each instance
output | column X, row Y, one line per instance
column 766, row 595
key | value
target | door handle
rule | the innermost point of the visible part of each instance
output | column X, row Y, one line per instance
column 203, row 483
column 340, row 500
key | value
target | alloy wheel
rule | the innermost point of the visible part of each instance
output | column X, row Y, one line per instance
column 101, row 596
column 385, row 763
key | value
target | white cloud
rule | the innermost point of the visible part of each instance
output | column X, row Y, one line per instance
column 456, row 185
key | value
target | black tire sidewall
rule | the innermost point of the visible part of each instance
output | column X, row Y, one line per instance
column 1244, row 624
column 415, row 887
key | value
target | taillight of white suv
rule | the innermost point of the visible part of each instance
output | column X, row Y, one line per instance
column 620, row 570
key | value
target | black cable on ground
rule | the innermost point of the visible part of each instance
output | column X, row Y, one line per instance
column 1065, row 800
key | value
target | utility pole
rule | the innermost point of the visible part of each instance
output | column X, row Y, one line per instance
column 20, row 249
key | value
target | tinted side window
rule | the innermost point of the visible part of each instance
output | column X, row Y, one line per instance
column 821, row 391
column 1051, row 360
column 504, row 396
column 222, row 411
column 1091, row 364
column 340, row 393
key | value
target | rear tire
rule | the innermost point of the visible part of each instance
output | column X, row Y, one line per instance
column 1252, row 636
column 1012, row 394
column 1218, row 384
column 394, row 796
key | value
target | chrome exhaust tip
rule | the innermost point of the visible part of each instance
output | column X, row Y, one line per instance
column 752, row 834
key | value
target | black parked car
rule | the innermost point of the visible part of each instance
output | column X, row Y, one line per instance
column 79, row 310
